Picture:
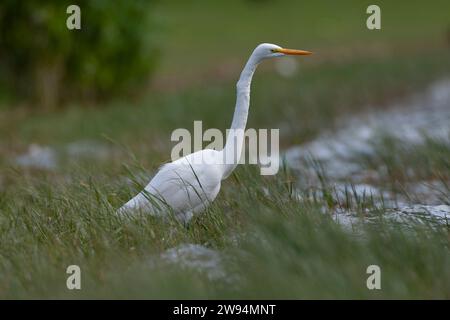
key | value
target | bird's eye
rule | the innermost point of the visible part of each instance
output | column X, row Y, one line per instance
column 273, row 50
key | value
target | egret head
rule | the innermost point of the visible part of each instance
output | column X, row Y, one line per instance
column 268, row 50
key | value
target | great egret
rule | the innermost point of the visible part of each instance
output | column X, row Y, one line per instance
column 188, row 185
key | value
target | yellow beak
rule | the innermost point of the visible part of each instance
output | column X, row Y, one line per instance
column 293, row 52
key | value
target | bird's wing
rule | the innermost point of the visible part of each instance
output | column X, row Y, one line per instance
column 183, row 185
column 172, row 184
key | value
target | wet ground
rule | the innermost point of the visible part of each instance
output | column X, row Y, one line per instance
column 421, row 116
column 426, row 114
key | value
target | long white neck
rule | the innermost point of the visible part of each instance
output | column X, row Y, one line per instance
column 235, row 139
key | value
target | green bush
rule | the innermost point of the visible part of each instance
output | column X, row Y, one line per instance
column 43, row 61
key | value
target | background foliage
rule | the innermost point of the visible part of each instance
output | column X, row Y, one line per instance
column 41, row 59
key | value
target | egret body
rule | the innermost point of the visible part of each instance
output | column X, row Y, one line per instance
column 188, row 185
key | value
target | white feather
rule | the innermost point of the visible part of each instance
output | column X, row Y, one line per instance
column 189, row 184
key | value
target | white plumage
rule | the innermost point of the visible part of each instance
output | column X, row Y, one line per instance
column 188, row 185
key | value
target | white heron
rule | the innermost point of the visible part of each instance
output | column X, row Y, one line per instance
column 189, row 184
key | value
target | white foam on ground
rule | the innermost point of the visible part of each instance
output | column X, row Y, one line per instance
column 88, row 149
column 47, row 158
column 197, row 258
column 422, row 115
column 416, row 213
column 38, row 157
column 426, row 114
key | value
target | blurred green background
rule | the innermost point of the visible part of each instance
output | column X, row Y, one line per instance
column 172, row 61
column 97, row 106
column 122, row 44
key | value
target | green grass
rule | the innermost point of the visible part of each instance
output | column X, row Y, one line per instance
column 399, row 164
column 49, row 220
column 275, row 245
column 293, row 245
